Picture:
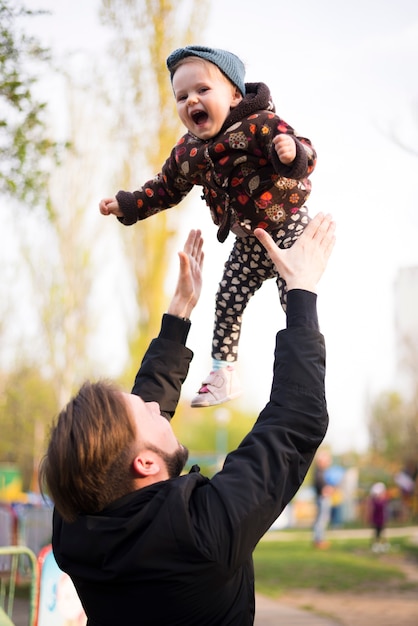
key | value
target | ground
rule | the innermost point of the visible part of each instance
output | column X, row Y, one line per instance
column 360, row 610
column 394, row 606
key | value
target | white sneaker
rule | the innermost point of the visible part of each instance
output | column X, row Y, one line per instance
column 220, row 386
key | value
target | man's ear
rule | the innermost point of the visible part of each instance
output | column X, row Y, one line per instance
column 146, row 464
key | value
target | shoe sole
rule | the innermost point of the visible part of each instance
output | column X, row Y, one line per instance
column 202, row 405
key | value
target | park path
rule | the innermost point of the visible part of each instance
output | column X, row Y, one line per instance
column 273, row 613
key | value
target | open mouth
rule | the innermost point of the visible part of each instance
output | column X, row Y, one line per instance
column 199, row 117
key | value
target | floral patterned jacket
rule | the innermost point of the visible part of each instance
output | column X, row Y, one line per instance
column 244, row 183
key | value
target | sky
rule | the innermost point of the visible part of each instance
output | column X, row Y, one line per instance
column 344, row 75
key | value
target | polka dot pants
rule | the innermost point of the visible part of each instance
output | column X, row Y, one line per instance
column 247, row 267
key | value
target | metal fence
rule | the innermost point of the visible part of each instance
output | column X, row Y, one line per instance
column 27, row 525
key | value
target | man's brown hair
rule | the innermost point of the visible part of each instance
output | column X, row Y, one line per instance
column 88, row 461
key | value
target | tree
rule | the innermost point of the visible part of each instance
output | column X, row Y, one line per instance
column 28, row 405
column 393, row 428
column 387, row 425
column 61, row 260
column 25, row 148
column 146, row 128
column 61, row 257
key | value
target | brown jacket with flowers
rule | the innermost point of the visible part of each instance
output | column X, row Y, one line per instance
column 244, row 183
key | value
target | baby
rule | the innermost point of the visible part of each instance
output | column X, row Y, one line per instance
column 253, row 168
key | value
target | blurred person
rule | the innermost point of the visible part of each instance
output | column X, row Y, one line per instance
column 334, row 476
column 146, row 544
column 378, row 516
column 323, row 499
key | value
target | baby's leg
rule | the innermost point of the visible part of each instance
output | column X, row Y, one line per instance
column 247, row 267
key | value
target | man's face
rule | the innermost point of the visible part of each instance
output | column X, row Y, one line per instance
column 155, row 433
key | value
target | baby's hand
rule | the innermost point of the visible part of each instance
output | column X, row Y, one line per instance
column 285, row 148
column 110, row 206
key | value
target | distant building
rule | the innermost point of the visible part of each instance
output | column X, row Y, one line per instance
column 406, row 324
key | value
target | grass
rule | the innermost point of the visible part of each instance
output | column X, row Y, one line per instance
column 348, row 565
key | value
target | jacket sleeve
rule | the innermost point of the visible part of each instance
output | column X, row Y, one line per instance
column 261, row 477
column 165, row 190
column 165, row 366
column 305, row 159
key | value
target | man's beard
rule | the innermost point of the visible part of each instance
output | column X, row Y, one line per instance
column 175, row 462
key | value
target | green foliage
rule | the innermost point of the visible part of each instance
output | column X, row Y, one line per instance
column 27, row 404
column 207, row 438
column 393, row 427
column 25, row 149
column 349, row 565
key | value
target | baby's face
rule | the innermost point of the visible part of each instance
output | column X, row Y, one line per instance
column 204, row 97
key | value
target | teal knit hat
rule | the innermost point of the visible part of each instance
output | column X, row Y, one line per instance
column 228, row 63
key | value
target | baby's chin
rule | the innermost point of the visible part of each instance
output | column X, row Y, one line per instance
column 203, row 131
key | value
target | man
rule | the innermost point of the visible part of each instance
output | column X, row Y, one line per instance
column 162, row 549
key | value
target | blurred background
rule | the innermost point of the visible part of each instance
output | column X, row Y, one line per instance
column 87, row 109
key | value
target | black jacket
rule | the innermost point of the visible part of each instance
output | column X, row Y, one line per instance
column 179, row 553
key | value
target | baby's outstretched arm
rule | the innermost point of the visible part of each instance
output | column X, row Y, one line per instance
column 285, row 148
column 110, row 206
